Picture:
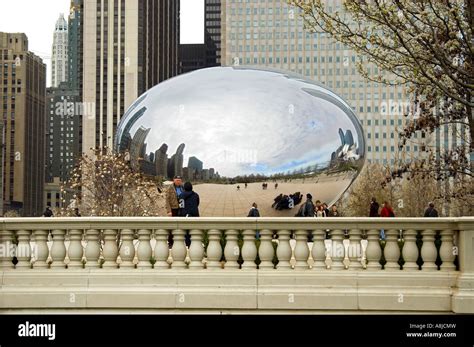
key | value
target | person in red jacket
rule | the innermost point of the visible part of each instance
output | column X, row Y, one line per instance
column 387, row 210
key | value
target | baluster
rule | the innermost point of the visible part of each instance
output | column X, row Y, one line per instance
column 374, row 251
column 283, row 250
column 249, row 250
column 319, row 249
column 23, row 251
column 392, row 250
column 231, row 250
column 346, row 242
column 75, row 250
column 266, row 251
column 301, row 250
column 337, row 250
column 41, row 249
column 92, row 248
column 328, row 252
column 355, row 250
column 58, row 249
column 428, row 251
column 178, row 251
column 127, row 249
column 214, row 249
column 110, row 251
column 410, row 250
column 162, row 251
column 363, row 244
column 196, row 250
column 144, row 249
column 446, row 251
column 6, row 243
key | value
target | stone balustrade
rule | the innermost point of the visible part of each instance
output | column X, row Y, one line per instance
column 342, row 249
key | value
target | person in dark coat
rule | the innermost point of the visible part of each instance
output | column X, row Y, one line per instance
column 431, row 211
column 374, row 208
column 254, row 211
column 326, row 209
column 48, row 212
column 277, row 200
column 308, row 209
column 191, row 201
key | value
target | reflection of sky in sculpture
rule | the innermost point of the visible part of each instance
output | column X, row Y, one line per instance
column 243, row 121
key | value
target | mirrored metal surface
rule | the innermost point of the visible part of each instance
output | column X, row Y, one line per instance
column 230, row 130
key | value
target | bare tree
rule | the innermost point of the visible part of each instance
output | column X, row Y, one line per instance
column 408, row 196
column 106, row 185
column 426, row 46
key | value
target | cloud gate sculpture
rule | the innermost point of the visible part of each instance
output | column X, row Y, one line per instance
column 244, row 135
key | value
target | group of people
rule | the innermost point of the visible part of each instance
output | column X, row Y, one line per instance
column 285, row 202
column 182, row 200
column 317, row 209
column 49, row 213
column 387, row 210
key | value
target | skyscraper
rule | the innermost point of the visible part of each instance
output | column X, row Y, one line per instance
column 271, row 34
column 207, row 54
column 23, row 91
column 75, row 42
column 59, row 58
column 62, row 136
column 192, row 57
column 129, row 46
column 2, row 155
column 212, row 33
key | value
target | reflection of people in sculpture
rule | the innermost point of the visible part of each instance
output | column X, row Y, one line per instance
column 285, row 202
column 276, row 185
column 334, row 212
column 307, row 210
column 326, row 209
column 320, row 211
column 246, row 185
column 277, row 200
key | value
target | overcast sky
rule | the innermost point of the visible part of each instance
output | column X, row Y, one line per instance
column 36, row 18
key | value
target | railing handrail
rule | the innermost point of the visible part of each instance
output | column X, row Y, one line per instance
column 399, row 223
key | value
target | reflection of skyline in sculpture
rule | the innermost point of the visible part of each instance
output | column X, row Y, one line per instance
column 348, row 149
column 158, row 163
column 195, row 167
column 175, row 163
column 161, row 160
column 138, row 147
column 127, row 138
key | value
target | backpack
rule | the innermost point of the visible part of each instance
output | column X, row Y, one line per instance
column 391, row 214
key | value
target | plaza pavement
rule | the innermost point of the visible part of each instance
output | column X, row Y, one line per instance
column 224, row 200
